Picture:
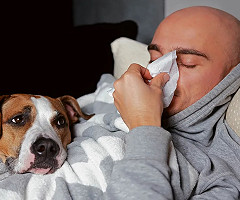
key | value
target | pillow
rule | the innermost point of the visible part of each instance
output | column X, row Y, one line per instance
column 127, row 51
column 233, row 113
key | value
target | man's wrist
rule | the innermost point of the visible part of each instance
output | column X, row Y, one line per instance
column 144, row 122
column 147, row 142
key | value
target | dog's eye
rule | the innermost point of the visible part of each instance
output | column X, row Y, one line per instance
column 60, row 121
column 18, row 120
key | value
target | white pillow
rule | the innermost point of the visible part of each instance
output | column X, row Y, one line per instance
column 127, row 51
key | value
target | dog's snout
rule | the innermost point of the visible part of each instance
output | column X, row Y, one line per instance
column 45, row 147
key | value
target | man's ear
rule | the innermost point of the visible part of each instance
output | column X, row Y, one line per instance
column 73, row 109
column 3, row 98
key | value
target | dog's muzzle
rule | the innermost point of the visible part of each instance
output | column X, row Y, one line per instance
column 44, row 156
column 45, row 151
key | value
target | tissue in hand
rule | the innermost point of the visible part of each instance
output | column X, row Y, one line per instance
column 168, row 64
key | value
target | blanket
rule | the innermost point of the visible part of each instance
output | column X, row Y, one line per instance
column 97, row 145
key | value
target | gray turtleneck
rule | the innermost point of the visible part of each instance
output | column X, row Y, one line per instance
column 201, row 138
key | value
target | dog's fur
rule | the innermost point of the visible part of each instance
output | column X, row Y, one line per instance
column 35, row 131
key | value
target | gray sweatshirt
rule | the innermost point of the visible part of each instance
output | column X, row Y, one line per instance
column 202, row 140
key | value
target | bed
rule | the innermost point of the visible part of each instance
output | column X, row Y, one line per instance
column 98, row 143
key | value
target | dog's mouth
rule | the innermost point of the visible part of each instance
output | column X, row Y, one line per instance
column 45, row 153
column 45, row 156
column 47, row 166
column 41, row 171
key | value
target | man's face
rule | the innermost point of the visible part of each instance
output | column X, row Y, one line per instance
column 201, row 58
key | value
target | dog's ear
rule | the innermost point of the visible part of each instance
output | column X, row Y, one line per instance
column 73, row 109
column 3, row 98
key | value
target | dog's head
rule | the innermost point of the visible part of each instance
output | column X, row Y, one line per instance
column 35, row 131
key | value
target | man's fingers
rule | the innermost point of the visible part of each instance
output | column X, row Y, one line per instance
column 160, row 80
column 144, row 72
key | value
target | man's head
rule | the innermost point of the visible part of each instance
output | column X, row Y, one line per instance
column 207, row 43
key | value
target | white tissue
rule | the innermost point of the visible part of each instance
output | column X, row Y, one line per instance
column 110, row 91
column 168, row 64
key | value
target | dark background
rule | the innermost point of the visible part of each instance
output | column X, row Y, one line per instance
column 61, row 47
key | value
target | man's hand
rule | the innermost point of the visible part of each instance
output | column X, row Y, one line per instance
column 138, row 100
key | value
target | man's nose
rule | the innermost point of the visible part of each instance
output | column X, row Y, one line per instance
column 45, row 147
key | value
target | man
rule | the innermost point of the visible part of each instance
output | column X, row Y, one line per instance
column 207, row 44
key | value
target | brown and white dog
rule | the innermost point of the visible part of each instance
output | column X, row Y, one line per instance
column 35, row 131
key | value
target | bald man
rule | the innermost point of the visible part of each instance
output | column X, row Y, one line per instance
column 192, row 131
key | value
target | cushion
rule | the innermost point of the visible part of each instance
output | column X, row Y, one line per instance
column 233, row 113
column 127, row 51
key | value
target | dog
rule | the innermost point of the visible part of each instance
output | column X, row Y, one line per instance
column 35, row 131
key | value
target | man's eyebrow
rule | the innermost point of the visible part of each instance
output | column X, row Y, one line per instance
column 180, row 50
column 154, row 47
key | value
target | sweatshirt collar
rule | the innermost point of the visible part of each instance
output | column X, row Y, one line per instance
column 200, row 118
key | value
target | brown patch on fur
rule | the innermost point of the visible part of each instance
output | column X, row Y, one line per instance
column 12, row 136
column 64, row 133
column 70, row 109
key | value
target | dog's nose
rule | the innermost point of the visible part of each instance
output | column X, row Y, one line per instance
column 45, row 147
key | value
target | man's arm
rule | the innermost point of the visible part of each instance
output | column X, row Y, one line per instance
column 144, row 172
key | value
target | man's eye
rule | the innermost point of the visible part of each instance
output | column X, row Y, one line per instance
column 18, row 120
column 187, row 66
